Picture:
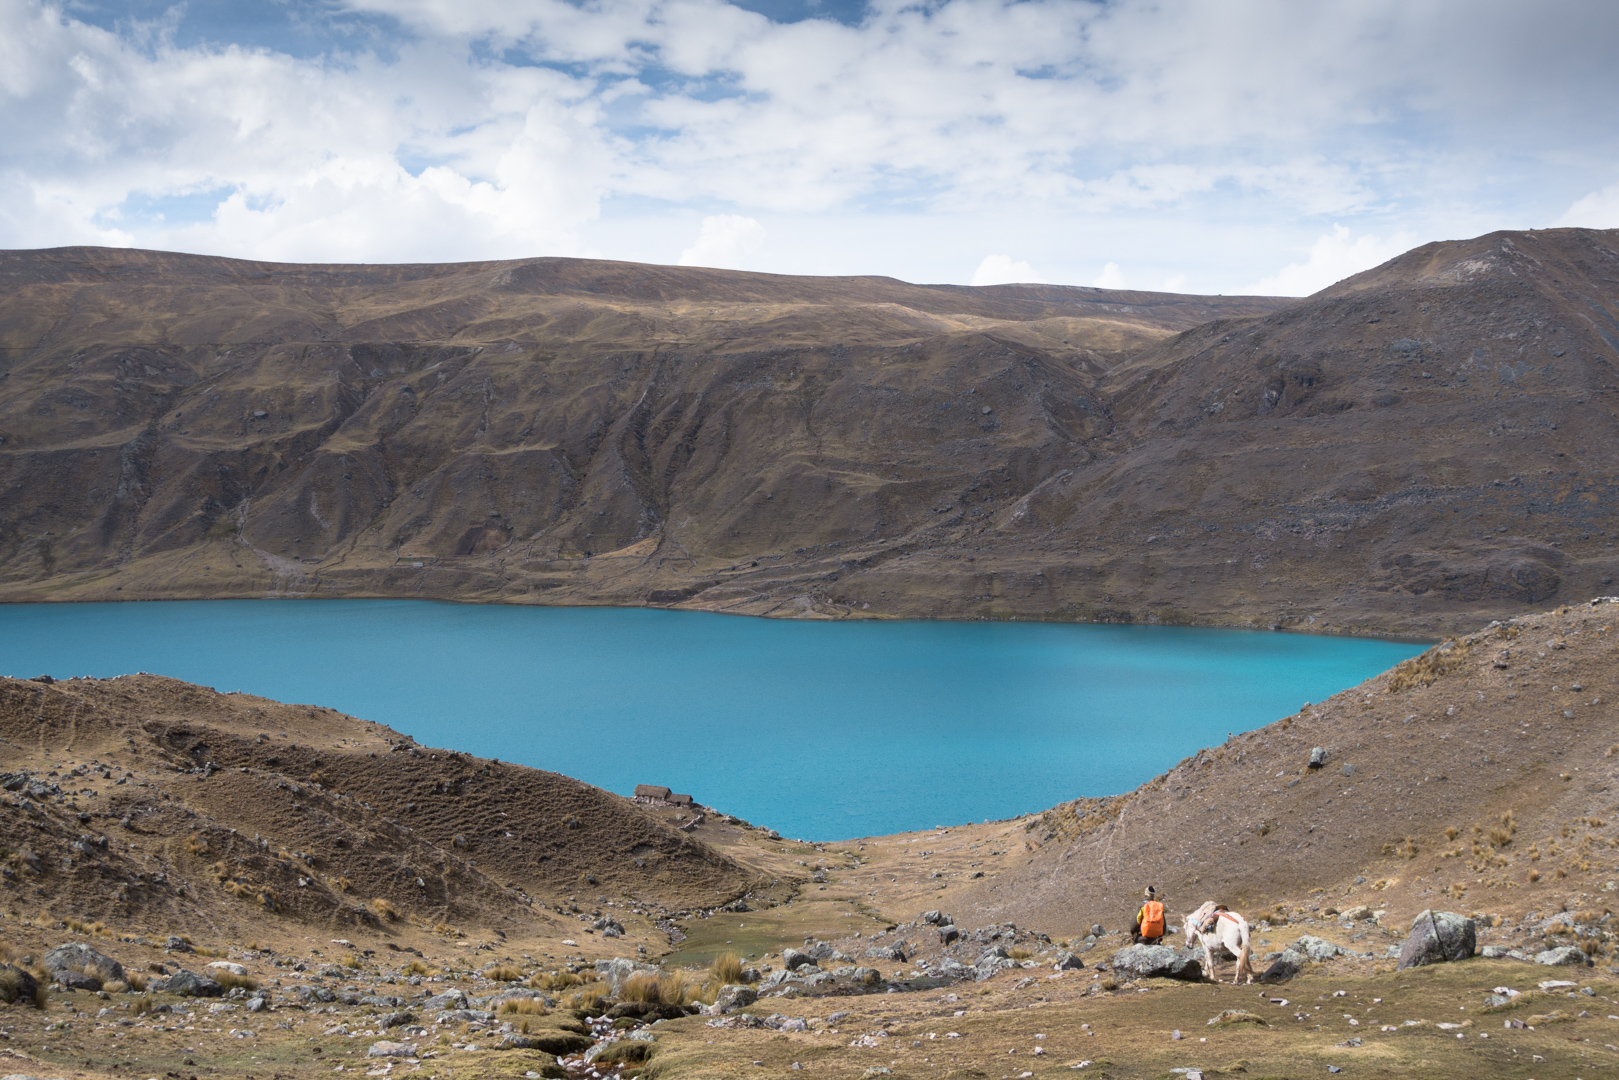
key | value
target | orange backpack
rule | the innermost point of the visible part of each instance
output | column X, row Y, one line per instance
column 1152, row 919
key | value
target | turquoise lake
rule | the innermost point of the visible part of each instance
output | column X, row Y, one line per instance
column 822, row 730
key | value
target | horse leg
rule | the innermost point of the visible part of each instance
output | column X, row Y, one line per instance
column 1244, row 960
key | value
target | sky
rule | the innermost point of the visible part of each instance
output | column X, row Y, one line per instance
column 1221, row 146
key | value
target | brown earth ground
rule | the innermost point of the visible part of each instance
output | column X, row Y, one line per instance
column 1418, row 449
column 1477, row 777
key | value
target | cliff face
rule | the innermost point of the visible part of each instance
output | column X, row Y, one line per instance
column 1421, row 447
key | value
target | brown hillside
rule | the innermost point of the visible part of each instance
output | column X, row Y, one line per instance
column 1478, row 776
column 143, row 800
column 1420, row 448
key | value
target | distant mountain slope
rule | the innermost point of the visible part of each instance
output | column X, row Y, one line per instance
column 1423, row 446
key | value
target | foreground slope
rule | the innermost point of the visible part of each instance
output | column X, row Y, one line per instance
column 146, row 801
column 1478, row 776
column 1420, row 448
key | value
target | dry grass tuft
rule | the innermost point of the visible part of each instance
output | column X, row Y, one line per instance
column 382, row 907
column 524, row 1007
column 230, row 980
column 416, row 967
column 725, row 970
column 664, row 988
column 504, row 973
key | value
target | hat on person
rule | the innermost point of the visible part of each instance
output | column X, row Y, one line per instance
column 1149, row 893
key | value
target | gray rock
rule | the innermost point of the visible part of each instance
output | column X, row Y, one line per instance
column 464, row 1016
column 1563, row 954
column 258, row 1004
column 1503, row 952
column 1097, row 930
column 22, row 984
column 994, row 952
column 865, row 976
column 1437, row 937
column 732, row 997
column 618, row 970
column 792, row 959
column 397, row 1019
column 75, row 957
column 1155, row 961
column 381, row 1001
column 895, row 953
column 1067, row 961
column 950, row 969
column 450, row 999
column 936, row 918
column 1318, row 757
column 775, row 979
column 311, row 994
column 391, row 1049
column 187, row 984
column 1316, row 948
column 948, row 933
column 1285, row 967
column 177, row 944
column 815, row 977
column 76, row 980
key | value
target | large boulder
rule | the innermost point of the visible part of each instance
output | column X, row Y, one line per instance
column 386, row 1049
column 17, row 986
column 82, row 958
column 1437, row 937
column 1285, row 967
column 792, row 959
column 1156, row 961
column 618, row 970
column 187, row 984
column 1563, row 954
column 731, row 997
column 76, row 980
column 450, row 999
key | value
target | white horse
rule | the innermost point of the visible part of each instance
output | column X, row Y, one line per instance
column 1217, row 928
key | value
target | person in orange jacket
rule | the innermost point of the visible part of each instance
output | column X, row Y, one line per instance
column 1148, row 928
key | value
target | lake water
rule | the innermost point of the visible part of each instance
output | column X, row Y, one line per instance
column 822, row 730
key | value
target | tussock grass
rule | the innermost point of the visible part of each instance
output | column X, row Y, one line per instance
column 1020, row 953
column 385, row 909
column 524, row 1007
column 231, row 981
column 664, row 988
column 416, row 967
column 11, row 987
column 503, row 973
column 725, row 970
column 588, row 1000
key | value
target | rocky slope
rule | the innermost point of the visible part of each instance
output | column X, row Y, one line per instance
column 1478, row 776
column 146, row 801
column 1421, row 448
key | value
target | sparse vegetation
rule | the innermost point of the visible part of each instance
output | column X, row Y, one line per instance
column 503, row 973
column 385, row 909
column 725, row 970
column 664, row 988
column 524, row 1007
column 230, row 980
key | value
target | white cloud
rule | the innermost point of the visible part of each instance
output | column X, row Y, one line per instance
column 487, row 128
column 1332, row 258
column 1001, row 270
column 1598, row 210
column 724, row 241
column 1174, row 283
column 1111, row 277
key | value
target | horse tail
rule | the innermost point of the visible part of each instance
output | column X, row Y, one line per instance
column 1243, row 961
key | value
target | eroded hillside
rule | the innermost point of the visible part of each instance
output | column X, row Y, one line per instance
column 1421, row 448
column 1478, row 776
column 146, row 801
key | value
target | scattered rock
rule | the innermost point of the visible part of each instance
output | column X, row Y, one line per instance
column 178, row 944
column 187, row 984
column 76, row 980
column 20, row 984
column 1563, row 954
column 1437, row 937
column 1318, row 757
column 450, row 999
column 226, row 965
column 1236, row 1016
column 1067, row 961
column 936, row 918
column 948, row 933
column 391, row 1049
column 1285, row 967
column 395, row 1019
column 1316, row 948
